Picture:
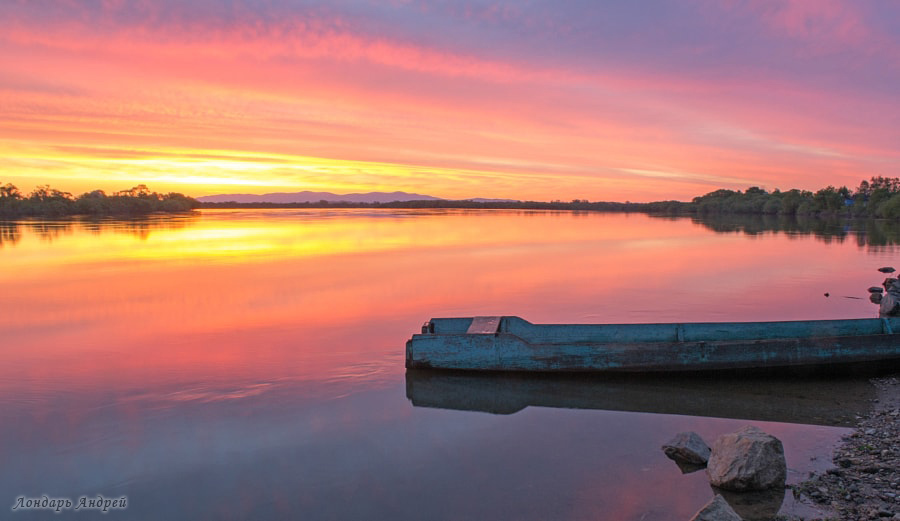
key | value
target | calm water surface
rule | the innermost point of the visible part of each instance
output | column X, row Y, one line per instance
column 249, row 364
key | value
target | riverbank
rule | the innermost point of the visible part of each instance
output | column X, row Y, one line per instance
column 865, row 483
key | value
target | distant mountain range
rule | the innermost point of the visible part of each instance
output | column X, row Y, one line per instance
column 315, row 197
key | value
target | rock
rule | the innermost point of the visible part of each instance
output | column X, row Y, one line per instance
column 890, row 302
column 875, row 298
column 687, row 447
column 716, row 510
column 887, row 269
column 876, row 289
column 748, row 459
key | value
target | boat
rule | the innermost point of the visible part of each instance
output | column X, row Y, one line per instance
column 510, row 343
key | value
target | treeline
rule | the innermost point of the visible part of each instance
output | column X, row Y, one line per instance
column 50, row 202
column 877, row 197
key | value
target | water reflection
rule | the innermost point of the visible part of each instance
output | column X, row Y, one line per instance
column 872, row 233
column 786, row 398
column 9, row 233
column 864, row 232
column 755, row 506
column 249, row 364
column 141, row 227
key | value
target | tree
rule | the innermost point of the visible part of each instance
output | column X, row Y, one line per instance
column 9, row 191
column 140, row 191
column 45, row 193
column 828, row 199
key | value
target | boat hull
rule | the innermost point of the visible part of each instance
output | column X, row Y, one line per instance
column 517, row 345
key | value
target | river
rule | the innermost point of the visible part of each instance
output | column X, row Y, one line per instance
column 248, row 364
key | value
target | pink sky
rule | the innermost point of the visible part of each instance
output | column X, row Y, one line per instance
column 540, row 100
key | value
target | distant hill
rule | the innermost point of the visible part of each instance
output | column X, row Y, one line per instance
column 315, row 197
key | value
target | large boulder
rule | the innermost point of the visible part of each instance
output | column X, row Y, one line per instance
column 687, row 447
column 748, row 459
column 716, row 510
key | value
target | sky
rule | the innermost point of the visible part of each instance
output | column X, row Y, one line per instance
column 526, row 99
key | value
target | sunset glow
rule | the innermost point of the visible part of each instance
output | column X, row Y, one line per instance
column 542, row 101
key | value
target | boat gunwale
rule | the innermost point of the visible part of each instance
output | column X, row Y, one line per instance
column 675, row 331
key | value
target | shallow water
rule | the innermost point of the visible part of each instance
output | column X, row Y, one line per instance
column 249, row 364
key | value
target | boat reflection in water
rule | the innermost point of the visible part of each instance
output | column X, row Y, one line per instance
column 786, row 398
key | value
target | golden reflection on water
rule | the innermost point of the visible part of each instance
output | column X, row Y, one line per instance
column 250, row 236
column 230, row 270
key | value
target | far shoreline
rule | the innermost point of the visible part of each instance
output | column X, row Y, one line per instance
column 877, row 198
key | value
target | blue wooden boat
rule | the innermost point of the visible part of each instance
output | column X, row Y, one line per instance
column 511, row 343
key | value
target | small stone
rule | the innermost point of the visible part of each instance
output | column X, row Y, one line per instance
column 876, row 289
column 687, row 447
column 887, row 269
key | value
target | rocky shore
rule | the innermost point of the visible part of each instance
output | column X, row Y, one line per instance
column 865, row 483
